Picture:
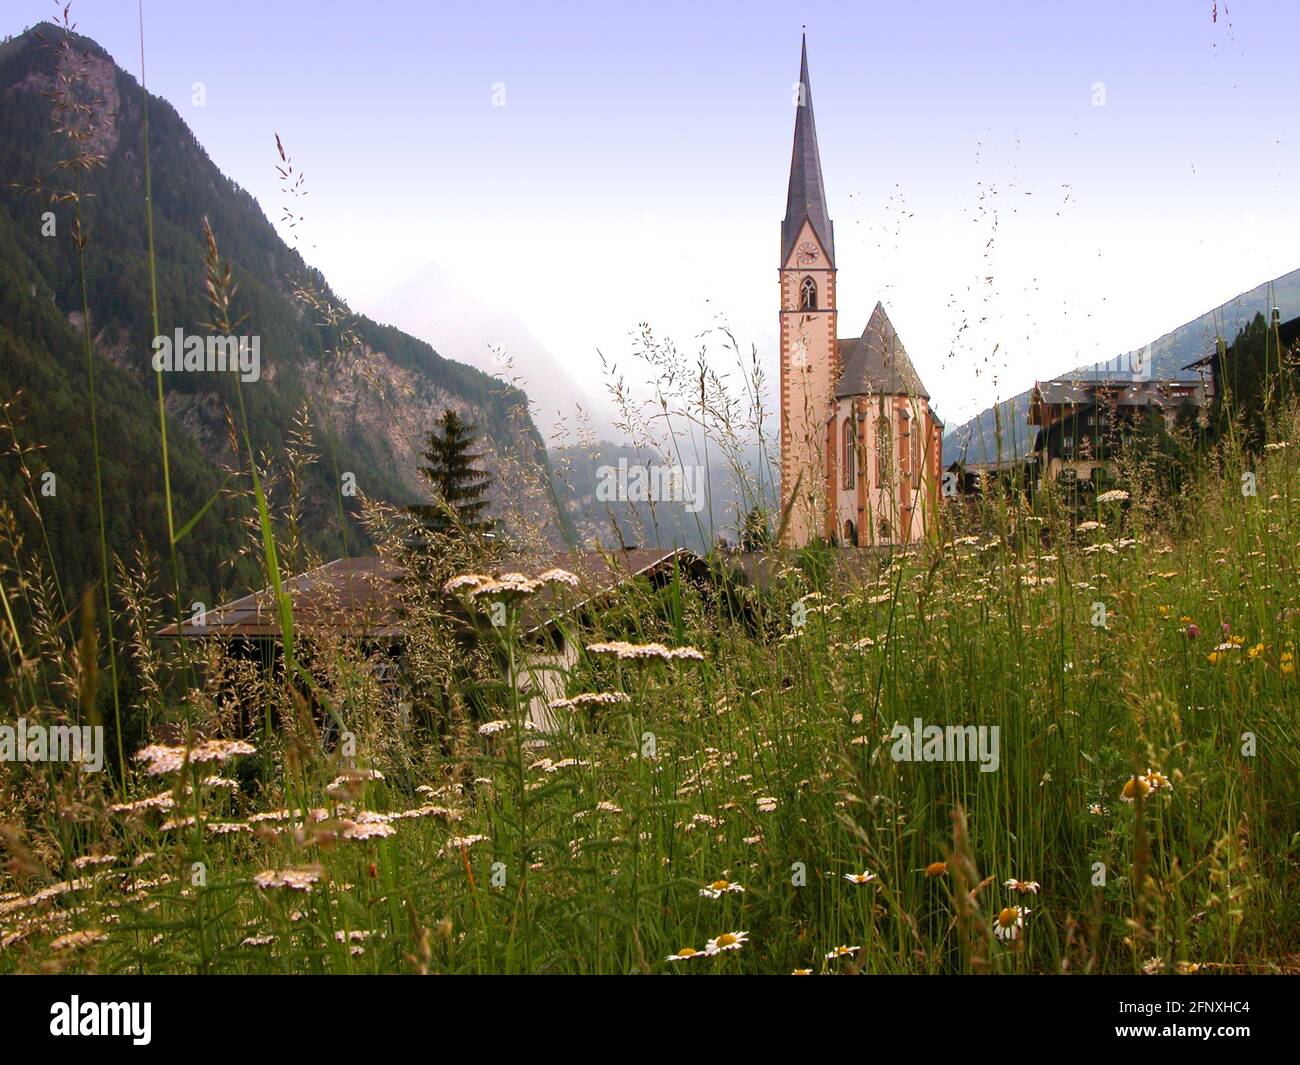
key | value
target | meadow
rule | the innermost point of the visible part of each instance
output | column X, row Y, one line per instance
column 723, row 795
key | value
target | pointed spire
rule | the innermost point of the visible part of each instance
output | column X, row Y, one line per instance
column 807, row 195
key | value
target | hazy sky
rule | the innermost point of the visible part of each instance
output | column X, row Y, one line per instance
column 1026, row 186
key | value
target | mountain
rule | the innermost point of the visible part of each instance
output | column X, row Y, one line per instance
column 430, row 305
column 976, row 440
column 371, row 391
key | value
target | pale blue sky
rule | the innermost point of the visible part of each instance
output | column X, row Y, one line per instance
column 637, row 170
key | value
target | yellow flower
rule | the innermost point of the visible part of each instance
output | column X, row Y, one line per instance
column 802, row 972
column 685, row 953
column 1009, row 922
column 1164, row 611
column 726, row 941
column 1255, row 651
column 936, row 869
column 1135, row 787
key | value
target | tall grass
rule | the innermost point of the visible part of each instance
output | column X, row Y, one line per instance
column 767, row 764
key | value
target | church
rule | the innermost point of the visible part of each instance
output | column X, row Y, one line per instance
column 860, row 446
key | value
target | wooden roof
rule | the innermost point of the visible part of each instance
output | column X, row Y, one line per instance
column 364, row 595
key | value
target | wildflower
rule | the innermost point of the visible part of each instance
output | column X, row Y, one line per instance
column 300, row 879
column 465, row 580
column 936, row 869
column 89, row 860
column 766, row 804
column 1192, row 631
column 1255, row 651
column 491, row 727
column 592, row 699
column 685, row 953
column 720, row 887
column 1287, row 662
column 860, row 878
column 1024, row 887
column 726, row 941
column 257, row 941
column 460, row 842
column 1087, row 526
column 367, row 830
column 802, row 972
column 1277, row 445
column 558, row 576
column 1010, row 922
column 1096, row 809
column 624, row 650
column 1115, row 495
column 77, row 940
column 842, row 952
column 508, row 585
column 1135, row 788
column 1157, row 781
column 163, row 759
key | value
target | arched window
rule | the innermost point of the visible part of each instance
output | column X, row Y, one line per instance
column 808, row 295
column 850, row 533
column 850, row 454
column 884, row 530
column 884, row 448
column 916, row 458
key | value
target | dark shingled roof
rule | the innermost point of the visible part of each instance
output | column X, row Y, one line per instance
column 364, row 595
column 806, row 197
column 876, row 363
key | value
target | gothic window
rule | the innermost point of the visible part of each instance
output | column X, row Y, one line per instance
column 884, row 445
column 808, row 295
column 916, row 458
column 850, row 454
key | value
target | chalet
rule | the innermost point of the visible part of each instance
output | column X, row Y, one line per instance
column 1081, row 421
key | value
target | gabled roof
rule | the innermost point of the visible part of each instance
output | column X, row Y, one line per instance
column 806, row 197
column 876, row 363
column 1113, row 391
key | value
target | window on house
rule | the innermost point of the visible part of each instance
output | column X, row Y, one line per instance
column 884, row 530
column 808, row 295
column 850, row 454
column 850, row 534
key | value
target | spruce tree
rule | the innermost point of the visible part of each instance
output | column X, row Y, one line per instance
column 459, row 486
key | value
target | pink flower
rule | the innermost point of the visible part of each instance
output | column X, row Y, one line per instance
column 1192, row 631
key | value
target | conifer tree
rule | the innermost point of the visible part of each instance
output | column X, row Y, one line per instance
column 459, row 486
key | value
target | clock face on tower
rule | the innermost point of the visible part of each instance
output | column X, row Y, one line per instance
column 807, row 253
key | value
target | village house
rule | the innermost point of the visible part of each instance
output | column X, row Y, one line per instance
column 1082, row 421
column 366, row 600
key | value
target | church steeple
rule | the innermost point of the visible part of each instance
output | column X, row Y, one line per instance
column 806, row 198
